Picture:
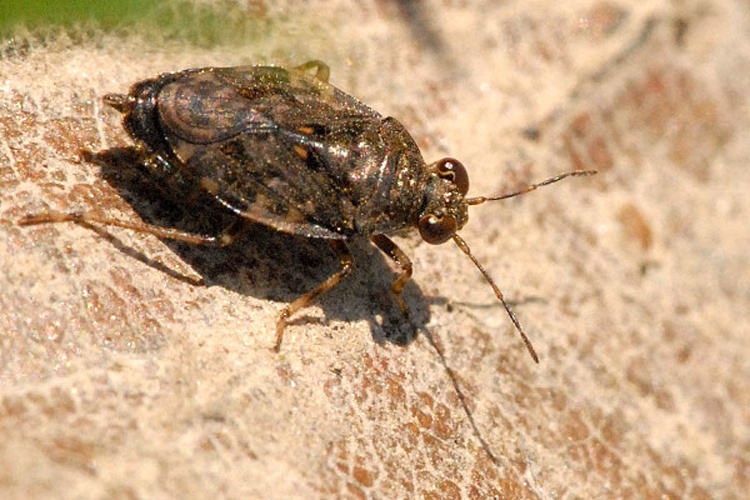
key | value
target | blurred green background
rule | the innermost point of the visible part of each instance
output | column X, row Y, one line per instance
column 33, row 14
column 206, row 25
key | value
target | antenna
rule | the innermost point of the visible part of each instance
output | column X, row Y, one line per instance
column 465, row 248
column 478, row 200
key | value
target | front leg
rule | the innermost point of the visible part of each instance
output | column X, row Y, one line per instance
column 388, row 247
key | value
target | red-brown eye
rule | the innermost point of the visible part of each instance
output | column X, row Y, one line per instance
column 454, row 171
column 436, row 230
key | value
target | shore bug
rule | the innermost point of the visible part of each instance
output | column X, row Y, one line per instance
column 284, row 148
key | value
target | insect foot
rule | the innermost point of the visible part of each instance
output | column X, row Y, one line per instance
column 286, row 149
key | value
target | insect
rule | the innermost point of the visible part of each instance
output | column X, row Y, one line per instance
column 284, row 148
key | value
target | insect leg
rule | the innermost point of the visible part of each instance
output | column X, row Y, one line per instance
column 347, row 262
column 322, row 71
column 387, row 246
column 87, row 218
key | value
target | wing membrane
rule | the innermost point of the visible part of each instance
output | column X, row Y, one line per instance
column 276, row 147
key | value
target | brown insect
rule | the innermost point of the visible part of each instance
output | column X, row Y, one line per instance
column 284, row 148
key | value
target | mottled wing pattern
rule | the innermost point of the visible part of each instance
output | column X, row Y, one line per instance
column 275, row 146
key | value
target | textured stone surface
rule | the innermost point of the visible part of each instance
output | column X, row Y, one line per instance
column 119, row 376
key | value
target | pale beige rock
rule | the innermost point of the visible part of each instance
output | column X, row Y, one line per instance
column 120, row 379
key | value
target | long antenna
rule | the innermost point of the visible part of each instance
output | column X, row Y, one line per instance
column 465, row 249
column 478, row 200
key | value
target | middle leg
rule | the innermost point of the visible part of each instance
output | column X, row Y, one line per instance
column 387, row 246
column 347, row 262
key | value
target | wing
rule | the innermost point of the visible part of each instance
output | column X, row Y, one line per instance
column 278, row 147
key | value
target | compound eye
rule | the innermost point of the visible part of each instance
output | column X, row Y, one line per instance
column 436, row 230
column 454, row 171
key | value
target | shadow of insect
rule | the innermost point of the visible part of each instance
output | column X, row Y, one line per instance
column 261, row 262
